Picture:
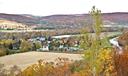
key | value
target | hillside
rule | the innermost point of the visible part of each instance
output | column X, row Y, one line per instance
column 66, row 21
column 5, row 24
column 19, row 18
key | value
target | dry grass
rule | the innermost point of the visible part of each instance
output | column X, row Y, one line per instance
column 24, row 60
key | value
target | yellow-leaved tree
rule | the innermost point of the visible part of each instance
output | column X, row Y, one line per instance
column 97, row 54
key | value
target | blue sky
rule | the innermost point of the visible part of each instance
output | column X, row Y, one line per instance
column 51, row 7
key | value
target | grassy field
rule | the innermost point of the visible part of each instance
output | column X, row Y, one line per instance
column 26, row 59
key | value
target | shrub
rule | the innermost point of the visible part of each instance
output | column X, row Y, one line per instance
column 2, row 51
column 121, row 61
column 61, row 68
column 2, row 70
column 12, row 71
column 65, row 67
column 38, row 45
column 25, row 46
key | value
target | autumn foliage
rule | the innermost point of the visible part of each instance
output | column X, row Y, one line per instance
column 99, row 58
column 62, row 67
column 121, row 61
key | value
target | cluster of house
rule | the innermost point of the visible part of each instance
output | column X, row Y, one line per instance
column 54, row 43
column 57, row 43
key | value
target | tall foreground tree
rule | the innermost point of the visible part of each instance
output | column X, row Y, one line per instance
column 97, row 20
column 97, row 55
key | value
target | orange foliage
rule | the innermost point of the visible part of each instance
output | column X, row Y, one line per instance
column 123, row 39
column 62, row 67
column 121, row 62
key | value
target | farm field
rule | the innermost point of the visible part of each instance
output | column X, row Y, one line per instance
column 24, row 60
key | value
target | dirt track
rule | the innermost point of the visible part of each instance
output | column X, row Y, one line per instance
column 25, row 59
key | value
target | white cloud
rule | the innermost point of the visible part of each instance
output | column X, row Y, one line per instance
column 49, row 7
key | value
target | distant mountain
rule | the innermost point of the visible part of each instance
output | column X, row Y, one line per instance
column 66, row 21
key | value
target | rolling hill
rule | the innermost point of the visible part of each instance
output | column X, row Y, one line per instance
column 10, row 25
column 66, row 21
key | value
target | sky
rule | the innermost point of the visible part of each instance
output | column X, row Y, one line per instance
column 52, row 7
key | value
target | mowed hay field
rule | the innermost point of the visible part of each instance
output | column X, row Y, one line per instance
column 24, row 60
